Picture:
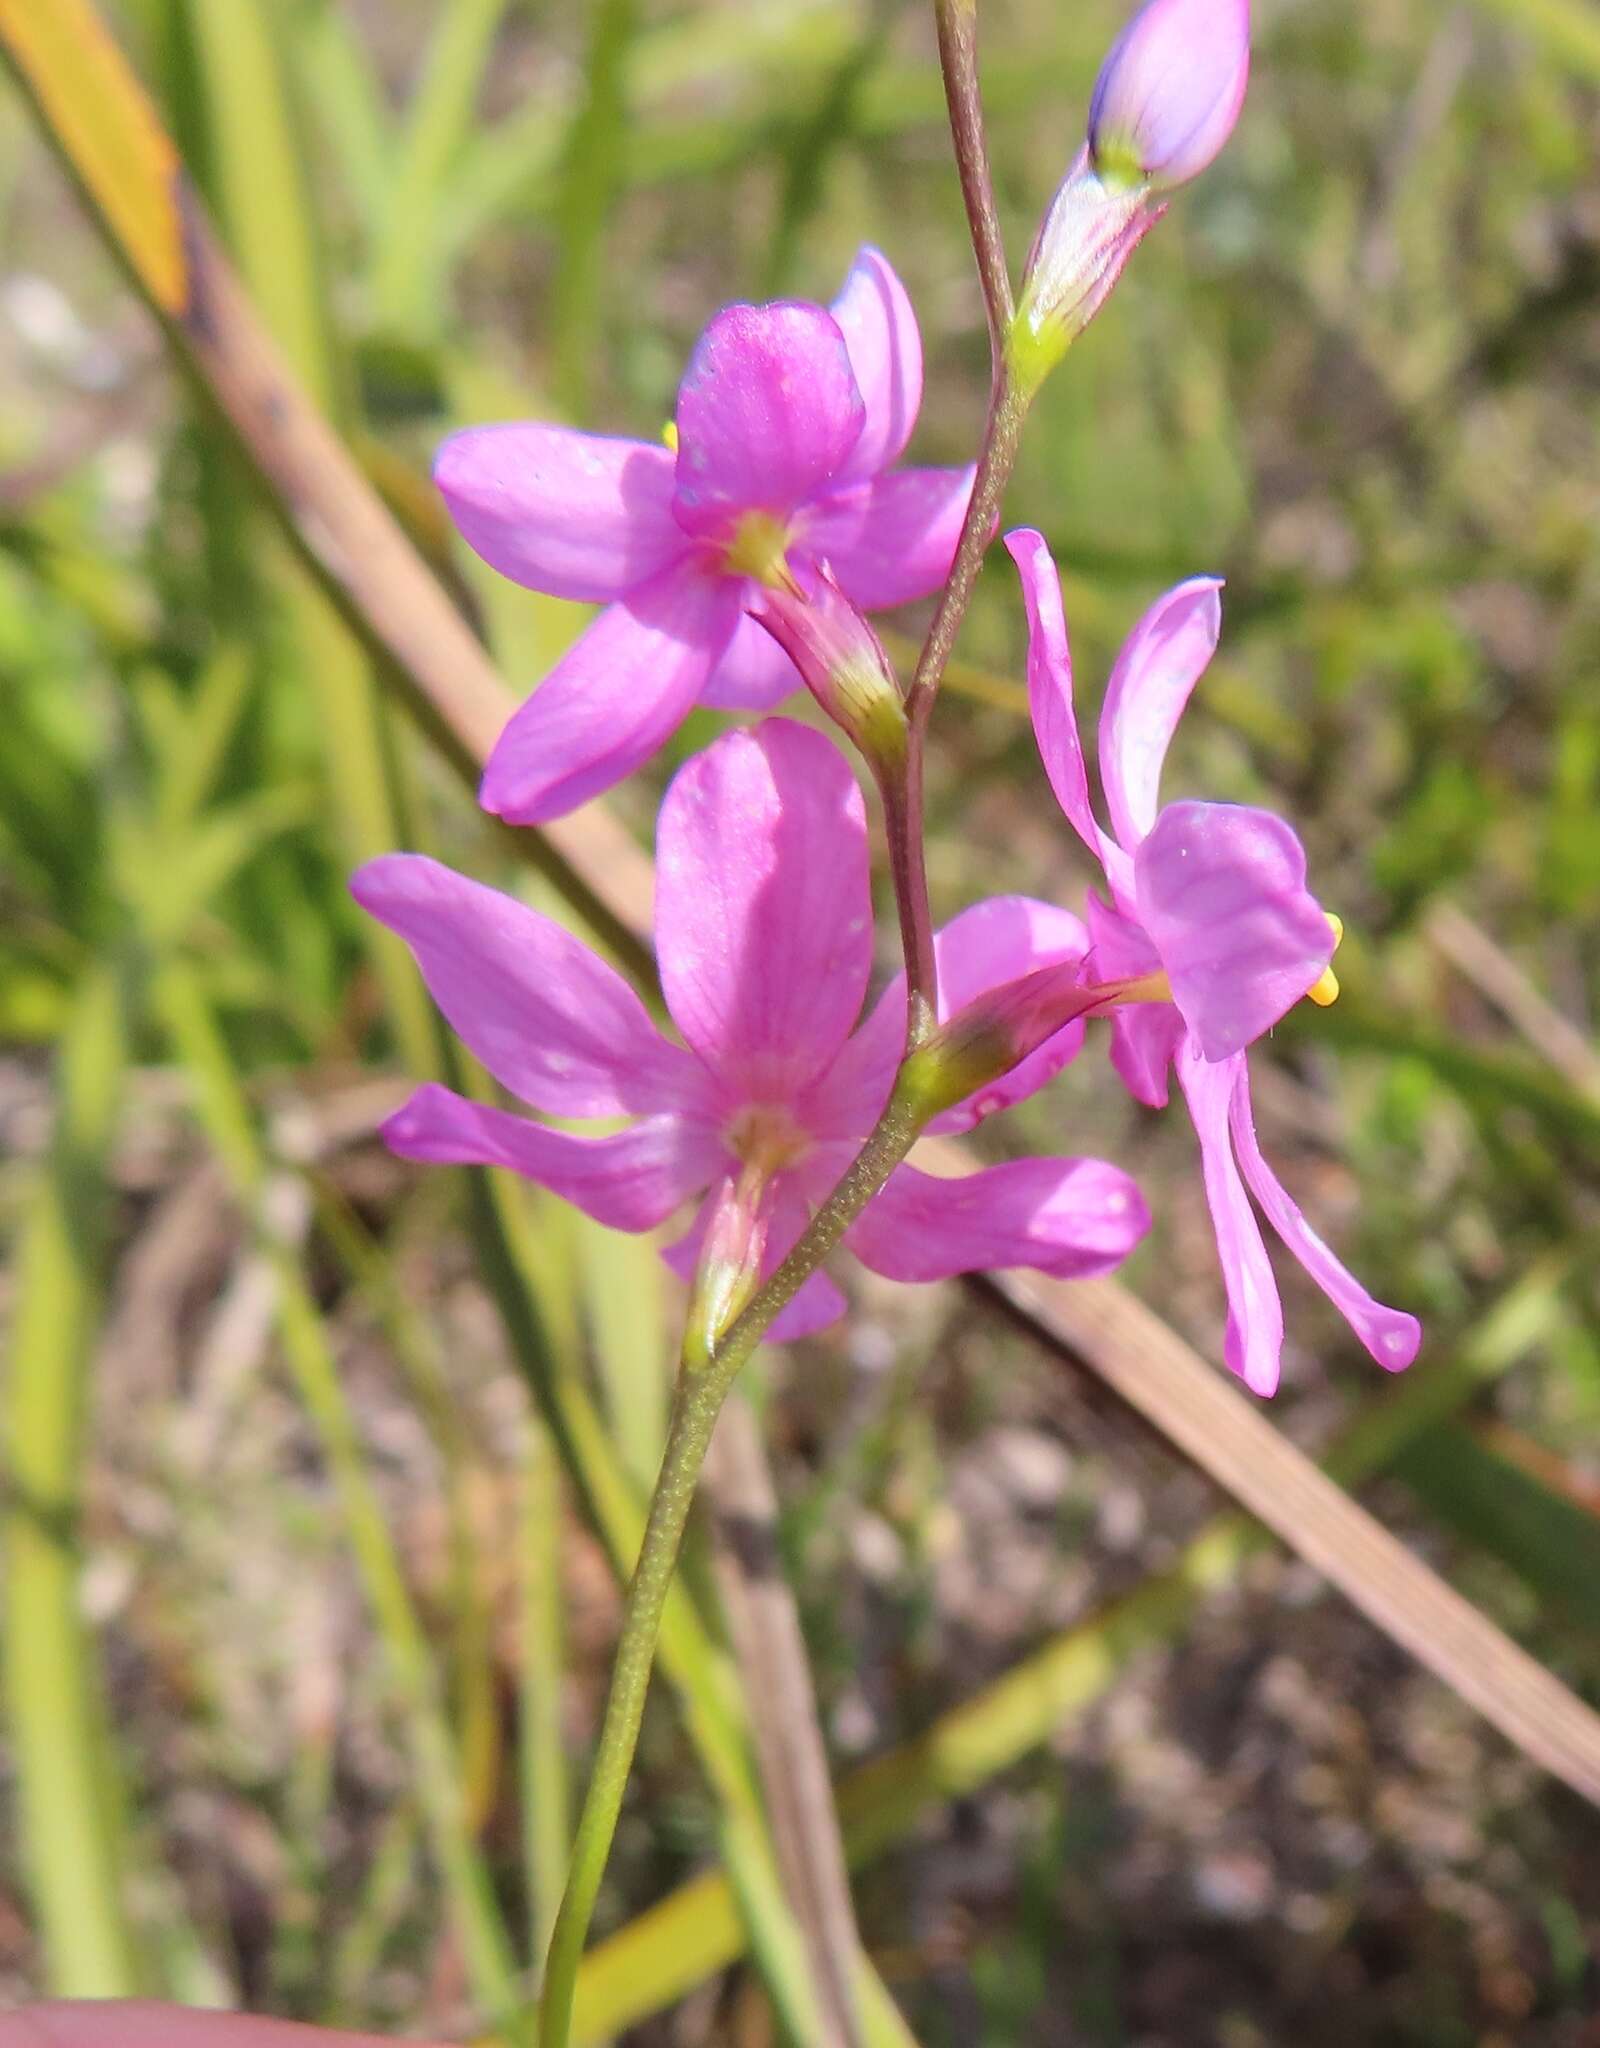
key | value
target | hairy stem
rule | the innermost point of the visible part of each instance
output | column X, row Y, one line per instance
column 902, row 816
column 701, row 1392
column 958, row 59
column 1008, row 407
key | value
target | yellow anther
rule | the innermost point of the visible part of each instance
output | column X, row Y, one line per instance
column 1325, row 989
column 669, row 434
column 757, row 550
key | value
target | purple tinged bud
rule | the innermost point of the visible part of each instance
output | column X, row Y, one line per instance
column 1169, row 93
column 1166, row 101
column 840, row 659
column 1081, row 249
column 730, row 1265
column 998, row 1031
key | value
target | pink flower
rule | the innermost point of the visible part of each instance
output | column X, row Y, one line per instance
column 764, row 932
column 1210, row 911
column 789, row 420
column 1170, row 90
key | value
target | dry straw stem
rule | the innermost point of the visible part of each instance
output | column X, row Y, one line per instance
column 145, row 204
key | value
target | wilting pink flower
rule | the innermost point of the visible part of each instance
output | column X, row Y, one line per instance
column 1210, row 915
column 1166, row 100
column 1170, row 90
column 764, row 935
column 790, row 418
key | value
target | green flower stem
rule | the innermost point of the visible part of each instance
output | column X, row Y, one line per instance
column 702, row 1389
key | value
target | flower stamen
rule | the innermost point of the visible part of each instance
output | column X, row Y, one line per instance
column 1325, row 989
column 756, row 550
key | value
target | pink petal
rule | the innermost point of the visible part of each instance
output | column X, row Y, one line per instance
column 1070, row 1217
column 1254, row 1345
column 1392, row 1337
column 818, row 1301
column 768, row 414
column 549, row 1019
column 1170, row 90
column 1055, row 724
column 1144, row 1036
column 632, row 1180
column 754, row 673
column 763, row 916
column 613, row 699
column 1222, row 894
column 1161, row 661
column 891, row 541
column 572, row 514
column 880, row 331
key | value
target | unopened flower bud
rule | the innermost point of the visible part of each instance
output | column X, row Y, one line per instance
column 730, row 1265
column 997, row 1031
column 1169, row 93
column 1166, row 101
column 841, row 660
column 1083, row 244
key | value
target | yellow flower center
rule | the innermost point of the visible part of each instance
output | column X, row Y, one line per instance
column 757, row 550
column 669, row 434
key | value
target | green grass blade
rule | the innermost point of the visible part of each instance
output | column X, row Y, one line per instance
column 440, row 118
column 1495, row 1504
column 225, row 1115
column 71, row 1838
column 625, row 1305
column 591, row 176
column 694, row 1932
column 546, row 1794
column 265, row 206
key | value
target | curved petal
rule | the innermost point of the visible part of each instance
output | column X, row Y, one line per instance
column 880, row 332
column 1222, row 896
column 549, row 1019
column 575, row 515
column 754, row 673
column 763, row 917
column 891, row 541
column 613, row 699
column 1161, row 661
column 768, row 414
column 818, row 1301
column 1069, row 1217
column 1055, row 724
column 1254, row 1344
column 1389, row 1334
column 632, row 1180
column 1144, row 1036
